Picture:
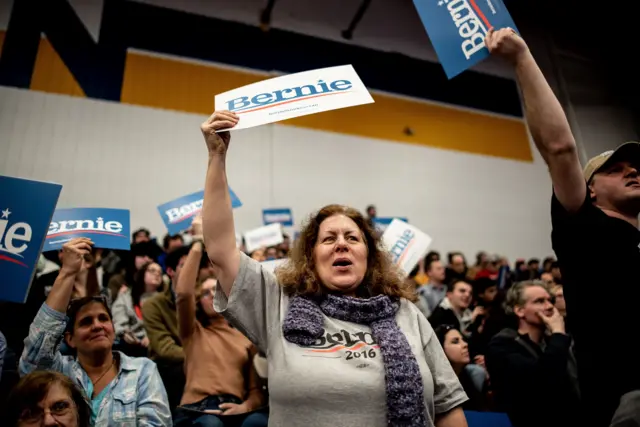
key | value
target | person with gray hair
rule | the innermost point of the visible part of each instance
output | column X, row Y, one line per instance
column 531, row 367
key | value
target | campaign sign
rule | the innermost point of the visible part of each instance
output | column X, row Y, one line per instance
column 263, row 237
column 381, row 223
column 295, row 95
column 179, row 213
column 457, row 29
column 107, row 228
column 277, row 216
column 406, row 244
column 26, row 208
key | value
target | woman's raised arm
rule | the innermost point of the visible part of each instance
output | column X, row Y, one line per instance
column 217, row 214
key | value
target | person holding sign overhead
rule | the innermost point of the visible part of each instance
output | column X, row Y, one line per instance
column 594, row 215
column 344, row 342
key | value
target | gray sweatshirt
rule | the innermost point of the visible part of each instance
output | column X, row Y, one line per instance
column 339, row 381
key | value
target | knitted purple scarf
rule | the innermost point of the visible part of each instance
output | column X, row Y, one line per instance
column 405, row 401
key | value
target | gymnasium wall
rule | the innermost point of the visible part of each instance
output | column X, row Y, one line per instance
column 106, row 98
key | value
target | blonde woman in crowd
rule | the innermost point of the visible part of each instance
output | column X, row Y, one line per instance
column 344, row 343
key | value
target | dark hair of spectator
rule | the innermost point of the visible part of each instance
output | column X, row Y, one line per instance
column 173, row 258
column 168, row 238
column 76, row 305
column 33, row 388
column 139, row 286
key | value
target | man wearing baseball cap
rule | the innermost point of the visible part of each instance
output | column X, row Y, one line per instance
column 594, row 213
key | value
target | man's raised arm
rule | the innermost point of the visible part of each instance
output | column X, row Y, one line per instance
column 546, row 119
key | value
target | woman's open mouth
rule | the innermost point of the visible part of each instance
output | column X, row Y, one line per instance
column 342, row 264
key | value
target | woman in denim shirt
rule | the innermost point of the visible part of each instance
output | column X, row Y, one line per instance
column 123, row 391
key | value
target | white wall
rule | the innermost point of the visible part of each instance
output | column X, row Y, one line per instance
column 114, row 155
column 466, row 202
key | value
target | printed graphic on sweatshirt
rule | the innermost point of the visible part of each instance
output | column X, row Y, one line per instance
column 357, row 346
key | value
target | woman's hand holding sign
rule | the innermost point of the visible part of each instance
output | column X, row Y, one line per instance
column 218, row 143
column 506, row 43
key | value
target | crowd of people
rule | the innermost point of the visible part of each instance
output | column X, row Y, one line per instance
column 197, row 332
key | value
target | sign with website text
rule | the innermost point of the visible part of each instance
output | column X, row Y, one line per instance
column 178, row 214
column 295, row 95
column 381, row 223
column 26, row 208
column 277, row 216
column 406, row 244
column 107, row 228
column 263, row 237
column 457, row 29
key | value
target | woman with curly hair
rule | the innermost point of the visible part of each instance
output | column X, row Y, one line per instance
column 344, row 343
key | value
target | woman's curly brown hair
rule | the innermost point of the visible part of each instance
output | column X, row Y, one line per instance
column 298, row 275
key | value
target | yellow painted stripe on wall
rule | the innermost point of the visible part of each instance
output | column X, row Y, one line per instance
column 178, row 85
column 51, row 75
column 187, row 86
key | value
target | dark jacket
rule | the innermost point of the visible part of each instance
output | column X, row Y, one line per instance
column 161, row 323
column 534, row 384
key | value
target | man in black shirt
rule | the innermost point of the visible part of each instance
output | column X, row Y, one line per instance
column 532, row 368
column 595, row 236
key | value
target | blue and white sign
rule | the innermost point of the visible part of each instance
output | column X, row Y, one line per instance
column 406, row 244
column 179, row 213
column 457, row 29
column 277, row 216
column 381, row 223
column 107, row 228
column 26, row 208
column 295, row 95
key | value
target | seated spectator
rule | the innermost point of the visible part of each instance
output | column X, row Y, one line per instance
column 140, row 254
column 221, row 377
column 454, row 308
column 49, row 399
column 127, row 310
column 491, row 318
column 473, row 377
column 532, row 368
column 456, row 268
column 161, row 323
column 121, row 389
column 170, row 243
column 432, row 294
column 271, row 253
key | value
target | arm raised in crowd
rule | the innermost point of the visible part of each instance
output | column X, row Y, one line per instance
column 47, row 329
column 546, row 119
column 217, row 214
column 186, row 286
column 73, row 259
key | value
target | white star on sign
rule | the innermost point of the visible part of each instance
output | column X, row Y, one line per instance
column 6, row 213
column 440, row 3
